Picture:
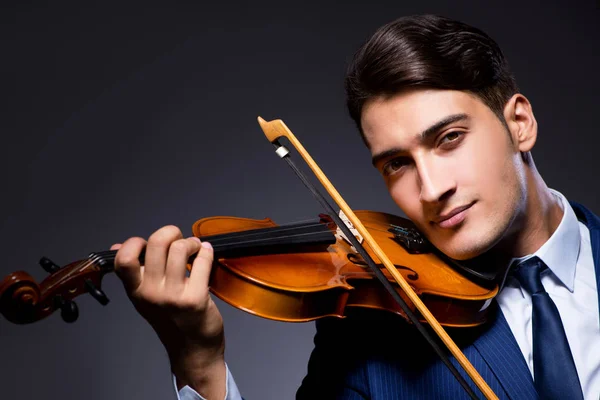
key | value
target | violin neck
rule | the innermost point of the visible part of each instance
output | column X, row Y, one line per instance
column 293, row 238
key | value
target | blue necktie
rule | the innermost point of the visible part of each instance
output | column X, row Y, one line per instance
column 555, row 376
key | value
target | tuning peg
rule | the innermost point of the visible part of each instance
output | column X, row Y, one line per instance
column 68, row 309
column 69, row 312
column 96, row 293
column 48, row 265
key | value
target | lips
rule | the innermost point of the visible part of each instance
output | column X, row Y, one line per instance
column 454, row 217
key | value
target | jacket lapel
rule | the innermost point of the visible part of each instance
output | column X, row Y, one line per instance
column 499, row 349
column 593, row 224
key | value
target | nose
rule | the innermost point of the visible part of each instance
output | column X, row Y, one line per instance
column 436, row 180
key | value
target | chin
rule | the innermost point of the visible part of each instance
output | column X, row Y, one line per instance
column 463, row 247
column 462, row 254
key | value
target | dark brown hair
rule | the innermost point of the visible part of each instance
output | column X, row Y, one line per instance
column 433, row 52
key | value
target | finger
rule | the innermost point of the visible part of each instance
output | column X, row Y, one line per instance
column 127, row 263
column 116, row 246
column 157, row 250
column 179, row 252
column 200, row 275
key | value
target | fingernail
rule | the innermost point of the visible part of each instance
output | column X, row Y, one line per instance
column 206, row 245
column 195, row 238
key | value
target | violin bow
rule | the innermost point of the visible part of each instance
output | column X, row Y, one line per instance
column 276, row 129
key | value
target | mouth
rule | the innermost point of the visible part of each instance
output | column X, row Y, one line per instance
column 454, row 217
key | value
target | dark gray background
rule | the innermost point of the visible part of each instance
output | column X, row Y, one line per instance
column 120, row 118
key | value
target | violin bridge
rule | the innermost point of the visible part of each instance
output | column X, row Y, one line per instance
column 350, row 226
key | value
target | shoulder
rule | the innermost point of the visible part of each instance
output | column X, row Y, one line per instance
column 369, row 340
column 348, row 350
column 373, row 352
column 585, row 215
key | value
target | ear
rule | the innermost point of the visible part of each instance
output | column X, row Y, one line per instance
column 521, row 122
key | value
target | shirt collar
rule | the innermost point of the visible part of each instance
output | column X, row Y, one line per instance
column 561, row 251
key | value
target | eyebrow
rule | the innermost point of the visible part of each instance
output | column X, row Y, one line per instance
column 423, row 136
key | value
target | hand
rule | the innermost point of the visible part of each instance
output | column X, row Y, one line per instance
column 179, row 308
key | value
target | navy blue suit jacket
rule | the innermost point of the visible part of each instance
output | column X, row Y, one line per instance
column 354, row 359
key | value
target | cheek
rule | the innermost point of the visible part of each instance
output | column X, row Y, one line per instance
column 486, row 167
column 494, row 180
column 406, row 195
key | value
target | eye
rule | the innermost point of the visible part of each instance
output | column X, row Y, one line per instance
column 393, row 166
column 451, row 137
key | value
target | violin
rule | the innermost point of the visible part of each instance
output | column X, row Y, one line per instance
column 299, row 272
column 293, row 273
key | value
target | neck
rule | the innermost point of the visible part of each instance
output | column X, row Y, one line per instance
column 536, row 220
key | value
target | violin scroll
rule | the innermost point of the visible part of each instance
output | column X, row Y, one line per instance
column 19, row 297
column 23, row 300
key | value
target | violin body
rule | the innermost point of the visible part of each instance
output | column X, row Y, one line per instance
column 312, row 283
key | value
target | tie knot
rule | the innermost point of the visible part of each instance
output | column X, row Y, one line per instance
column 528, row 274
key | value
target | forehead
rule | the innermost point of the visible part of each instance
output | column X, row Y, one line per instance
column 399, row 119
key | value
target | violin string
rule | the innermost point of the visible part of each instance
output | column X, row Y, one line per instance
column 287, row 227
column 265, row 240
column 207, row 238
column 109, row 255
column 82, row 264
column 300, row 224
column 218, row 246
column 264, row 231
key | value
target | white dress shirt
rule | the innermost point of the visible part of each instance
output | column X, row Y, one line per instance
column 231, row 391
column 570, row 280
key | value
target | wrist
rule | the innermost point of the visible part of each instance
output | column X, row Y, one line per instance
column 203, row 370
column 210, row 382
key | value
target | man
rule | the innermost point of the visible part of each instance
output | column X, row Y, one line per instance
column 452, row 137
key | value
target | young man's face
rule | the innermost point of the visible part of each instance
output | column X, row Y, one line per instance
column 450, row 165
